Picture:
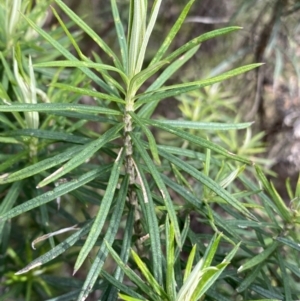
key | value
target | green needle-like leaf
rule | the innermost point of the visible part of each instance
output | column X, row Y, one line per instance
column 51, row 135
column 40, row 166
column 152, row 223
column 211, row 126
column 90, row 92
column 175, row 90
column 148, row 276
column 280, row 205
column 197, row 140
column 57, row 107
column 121, row 35
column 261, row 257
column 150, row 137
column 102, row 213
column 59, row 249
column 196, row 41
column 142, row 50
column 212, row 275
column 88, row 30
column 147, row 110
column 161, row 186
column 137, row 81
column 288, row 242
column 7, row 203
column 53, row 194
column 208, row 182
column 132, row 275
column 120, row 286
column 171, row 35
column 68, row 55
column 109, row 237
column 82, row 156
column 170, row 258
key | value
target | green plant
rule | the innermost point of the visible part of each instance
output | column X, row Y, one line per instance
column 140, row 189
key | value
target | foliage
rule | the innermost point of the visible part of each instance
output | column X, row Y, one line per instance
column 93, row 151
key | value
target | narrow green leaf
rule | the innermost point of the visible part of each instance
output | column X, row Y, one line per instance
column 152, row 21
column 288, row 243
column 221, row 222
column 127, row 298
column 211, row 250
column 12, row 160
column 59, row 249
column 3, row 94
column 211, row 126
column 147, row 110
column 10, row 197
column 51, row 135
column 276, row 198
column 65, row 28
column 262, row 257
column 150, row 137
column 82, row 156
column 80, row 64
column 267, row 293
column 185, row 193
column 102, row 212
column 175, row 90
column 224, row 194
column 148, row 276
column 293, row 268
column 88, row 30
column 124, row 254
column 68, row 55
column 249, row 279
column 152, row 223
column 191, row 282
column 181, row 178
column 137, row 32
column 51, row 234
column 184, row 234
column 137, row 81
column 55, row 193
column 189, row 264
column 6, row 121
column 89, row 92
column 7, row 203
column 196, row 140
column 196, row 41
column 111, row 81
column 244, row 224
column 179, row 151
column 170, row 256
column 110, row 235
column 52, row 107
column 172, row 33
column 161, row 186
column 132, row 275
column 40, row 166
column 212, row 275
column 121, row 35
column 209, row 277
column 285, row 278
column 120, row 286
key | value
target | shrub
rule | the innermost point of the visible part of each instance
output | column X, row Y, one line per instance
column 124, row 194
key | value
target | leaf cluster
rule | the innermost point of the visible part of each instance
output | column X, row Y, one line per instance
column 118, row 181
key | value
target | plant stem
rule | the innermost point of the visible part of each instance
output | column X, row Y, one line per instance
column 130, row 167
